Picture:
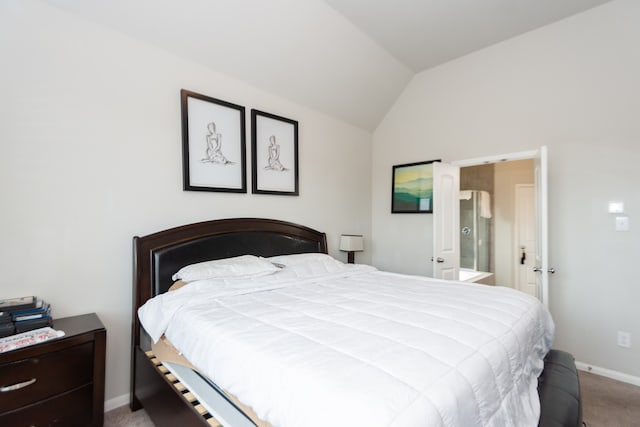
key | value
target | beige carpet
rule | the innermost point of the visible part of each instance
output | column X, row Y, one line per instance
column 122, row 416
column 609, row 403
column 605, row 403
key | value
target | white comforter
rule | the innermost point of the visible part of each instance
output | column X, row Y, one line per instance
column 353, row 346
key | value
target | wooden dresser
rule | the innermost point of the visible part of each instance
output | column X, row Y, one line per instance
column 60, row 382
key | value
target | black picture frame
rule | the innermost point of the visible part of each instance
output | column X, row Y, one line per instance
column 412, row 187
column 274, row 154
column 213, row 144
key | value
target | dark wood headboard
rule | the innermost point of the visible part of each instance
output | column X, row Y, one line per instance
column 156, row 257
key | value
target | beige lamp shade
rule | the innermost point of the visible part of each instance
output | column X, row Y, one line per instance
column 351, row 242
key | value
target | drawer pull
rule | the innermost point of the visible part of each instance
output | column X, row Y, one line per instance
column 17, row 386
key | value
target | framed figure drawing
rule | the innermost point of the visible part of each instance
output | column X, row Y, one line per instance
column 213, row 144
column 274, row 154
column 412, row 188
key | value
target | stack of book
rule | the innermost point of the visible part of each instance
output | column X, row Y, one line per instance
column 23, row 314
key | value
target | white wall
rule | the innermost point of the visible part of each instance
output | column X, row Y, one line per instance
column 574, row 87
column 91, row 156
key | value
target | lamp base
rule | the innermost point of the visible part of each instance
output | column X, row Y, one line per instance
column 351, row 257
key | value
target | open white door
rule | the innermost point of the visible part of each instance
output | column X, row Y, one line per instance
column 446, row 221
column 525, row 236
column 542, row 225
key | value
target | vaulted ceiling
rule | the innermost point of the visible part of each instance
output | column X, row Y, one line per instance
column 347, row 58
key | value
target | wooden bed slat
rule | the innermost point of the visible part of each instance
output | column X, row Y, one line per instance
column 186, row 394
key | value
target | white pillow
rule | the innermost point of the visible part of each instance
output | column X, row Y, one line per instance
column 307, row 265
column 244, row 266
column 296, row 259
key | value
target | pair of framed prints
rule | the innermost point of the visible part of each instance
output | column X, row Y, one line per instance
column 214, row 148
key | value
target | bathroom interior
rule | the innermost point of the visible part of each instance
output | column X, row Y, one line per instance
column 475, row 236
column 476, row 224
column 488, row 251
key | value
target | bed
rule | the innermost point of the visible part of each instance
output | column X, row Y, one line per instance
column 386, row 395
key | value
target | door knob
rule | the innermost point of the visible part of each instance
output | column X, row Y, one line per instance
column 440, row 260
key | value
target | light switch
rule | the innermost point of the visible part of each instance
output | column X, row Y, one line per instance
column 622, row 223
column 616, row 207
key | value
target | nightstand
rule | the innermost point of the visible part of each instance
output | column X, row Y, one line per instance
column 62, row 379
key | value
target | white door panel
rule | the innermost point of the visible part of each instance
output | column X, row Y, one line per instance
column 446, row 221
column 525, row 239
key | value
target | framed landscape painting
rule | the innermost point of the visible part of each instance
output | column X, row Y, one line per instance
column 412, row 188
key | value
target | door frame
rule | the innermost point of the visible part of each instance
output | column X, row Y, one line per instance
column 540, row 156
column 522, row 155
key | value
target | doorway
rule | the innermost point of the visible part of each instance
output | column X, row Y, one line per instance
column 505, row 250
column 493, row 221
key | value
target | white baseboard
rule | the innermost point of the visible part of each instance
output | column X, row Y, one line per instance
column 116, row 402
column 609, row 373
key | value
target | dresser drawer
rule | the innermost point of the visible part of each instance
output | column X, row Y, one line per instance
column 71, row 409
column 54, row 373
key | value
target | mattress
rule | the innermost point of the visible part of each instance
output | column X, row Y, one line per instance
column 324, row 343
